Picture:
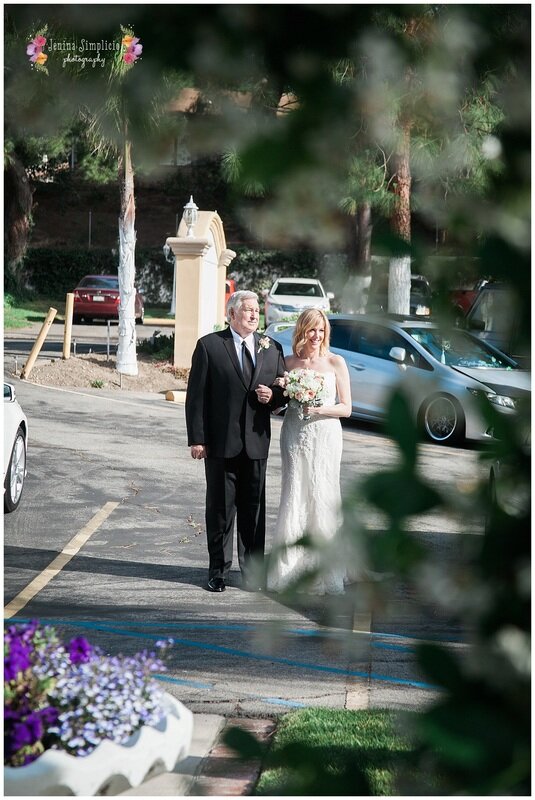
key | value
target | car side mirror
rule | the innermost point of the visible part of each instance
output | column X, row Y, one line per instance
column 330, row 295
column 398, row 354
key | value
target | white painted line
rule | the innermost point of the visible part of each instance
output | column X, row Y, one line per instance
column 55, row 567
column 103, row 397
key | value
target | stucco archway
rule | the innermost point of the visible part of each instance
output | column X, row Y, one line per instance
column 201, row 263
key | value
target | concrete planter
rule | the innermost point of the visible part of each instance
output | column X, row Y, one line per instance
column 110, row 768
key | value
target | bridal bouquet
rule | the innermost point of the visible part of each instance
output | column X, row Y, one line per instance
column 304, row 387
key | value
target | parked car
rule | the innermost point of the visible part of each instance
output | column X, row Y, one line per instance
column 15, row 447
column 441, row 371
column 97, row 297
column 420, row 297
column 289, row 296
column 509, row 487
column 494, row 318
column 463, row 297
column 230, row 288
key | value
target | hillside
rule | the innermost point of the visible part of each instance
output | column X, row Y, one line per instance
column 62, row 208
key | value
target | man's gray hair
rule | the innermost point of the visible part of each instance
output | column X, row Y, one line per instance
column 238, row 298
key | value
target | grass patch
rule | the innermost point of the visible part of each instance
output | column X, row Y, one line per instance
column 156, row 312
column 334, row 752
column 21, row 312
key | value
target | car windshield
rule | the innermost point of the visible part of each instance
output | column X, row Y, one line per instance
column 458, row 349
column 419, row 288
column 298, row 289
column 100, row 282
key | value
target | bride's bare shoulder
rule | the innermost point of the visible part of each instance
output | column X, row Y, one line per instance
column 335, row 360
column 291, row 361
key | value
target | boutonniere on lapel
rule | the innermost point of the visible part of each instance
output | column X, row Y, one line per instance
column 264, row 343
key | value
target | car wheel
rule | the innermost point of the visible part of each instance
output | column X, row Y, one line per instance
column 442, row 419
column 76, row 319
column 15, row 474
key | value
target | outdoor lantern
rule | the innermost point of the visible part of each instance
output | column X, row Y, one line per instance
column 167, row 252
column 190, row 216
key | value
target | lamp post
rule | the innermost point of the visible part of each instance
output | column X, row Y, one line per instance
column 190, row 215
column 170, row 258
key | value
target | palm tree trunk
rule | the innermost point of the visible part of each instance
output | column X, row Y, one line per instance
column 126, row 351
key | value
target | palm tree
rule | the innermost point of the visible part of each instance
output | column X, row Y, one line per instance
column 116, row 129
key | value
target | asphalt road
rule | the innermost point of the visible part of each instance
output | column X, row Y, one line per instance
column 115, row 471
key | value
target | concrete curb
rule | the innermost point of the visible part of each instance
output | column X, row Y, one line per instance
column 176, row 397
column 180, row 782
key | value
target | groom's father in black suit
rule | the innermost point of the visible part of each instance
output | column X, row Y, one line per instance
column 228, row 405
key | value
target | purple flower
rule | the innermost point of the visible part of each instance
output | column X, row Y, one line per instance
column 17, row 660
column 27, row 732
column 79, row 650
column 49, row 715
column 72, row 696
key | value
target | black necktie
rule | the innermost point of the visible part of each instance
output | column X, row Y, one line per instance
column 247, row 364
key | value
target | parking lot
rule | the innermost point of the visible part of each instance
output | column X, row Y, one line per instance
column 114, row 495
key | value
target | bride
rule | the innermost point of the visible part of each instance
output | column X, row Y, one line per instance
column 311, row 451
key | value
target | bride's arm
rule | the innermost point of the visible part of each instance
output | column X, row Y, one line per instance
column 343, row 407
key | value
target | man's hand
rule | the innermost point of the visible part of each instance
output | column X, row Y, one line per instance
column 264, row 394
column 198, row 451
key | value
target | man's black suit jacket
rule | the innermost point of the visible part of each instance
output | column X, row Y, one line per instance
column 221, row 412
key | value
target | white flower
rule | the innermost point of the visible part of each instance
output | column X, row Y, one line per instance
column 264, row 343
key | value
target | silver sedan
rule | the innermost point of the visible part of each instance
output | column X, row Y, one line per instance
column 441, row 372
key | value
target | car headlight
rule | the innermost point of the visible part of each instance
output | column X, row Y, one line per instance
column 501, row 400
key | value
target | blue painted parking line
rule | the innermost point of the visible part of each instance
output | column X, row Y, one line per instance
column 251, row 627
column 385, row 646
column 255, row 656
column 277, row 701
column 184, row 682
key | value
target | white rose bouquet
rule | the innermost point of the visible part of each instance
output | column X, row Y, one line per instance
column 304, row 387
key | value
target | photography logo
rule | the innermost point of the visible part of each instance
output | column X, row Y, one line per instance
column 82, row 52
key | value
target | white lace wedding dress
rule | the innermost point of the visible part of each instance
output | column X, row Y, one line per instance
column 311, row 451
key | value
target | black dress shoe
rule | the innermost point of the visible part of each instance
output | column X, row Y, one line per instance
column 216, row 585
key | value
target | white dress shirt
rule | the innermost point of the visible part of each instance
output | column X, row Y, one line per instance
column 249, row 342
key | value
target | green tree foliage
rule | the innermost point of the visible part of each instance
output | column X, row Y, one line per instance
column 475, row 738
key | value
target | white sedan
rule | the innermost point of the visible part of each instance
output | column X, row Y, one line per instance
column 15, row 445
column 288, row 297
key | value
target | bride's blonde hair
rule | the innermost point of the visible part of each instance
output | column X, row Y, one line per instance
column 306, row 321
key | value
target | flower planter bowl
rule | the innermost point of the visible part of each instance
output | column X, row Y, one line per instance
column 111, row 767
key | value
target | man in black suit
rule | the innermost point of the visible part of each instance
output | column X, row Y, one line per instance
column 228, row 405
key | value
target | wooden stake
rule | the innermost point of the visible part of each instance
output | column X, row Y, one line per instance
column 36, row 349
